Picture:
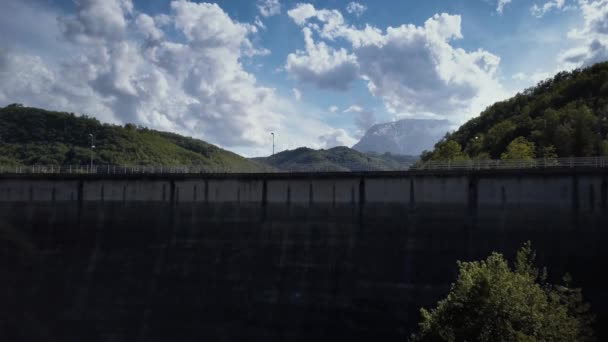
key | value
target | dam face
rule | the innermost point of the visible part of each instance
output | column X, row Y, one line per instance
column 278, row 257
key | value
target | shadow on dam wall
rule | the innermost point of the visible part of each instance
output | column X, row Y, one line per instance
column 277, row 257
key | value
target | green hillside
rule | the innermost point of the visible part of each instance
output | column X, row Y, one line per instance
column 32, row 136
column 336, row 159
column 560, row 117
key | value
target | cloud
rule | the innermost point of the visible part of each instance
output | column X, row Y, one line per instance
column 356, row 8
column 297, row 94
column 301, row 13
column 337, row 137
column 258, row 22
column 592, row 38
column 501, row 5
column 269, row 8
column 333, row 109
column 322, row 65
column 532, row 78
column 414, row 69
column 364, row 118
column 539, row 11
column 120, row 65
column 103, row 20
column 147, row 26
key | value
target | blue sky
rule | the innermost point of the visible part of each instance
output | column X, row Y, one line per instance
column 316, row 73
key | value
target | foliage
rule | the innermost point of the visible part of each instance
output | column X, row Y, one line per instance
column 519, row 148
column 335, row 159
column 566, row 115
column 30, row 136
column 448, row 150
column 490, row 301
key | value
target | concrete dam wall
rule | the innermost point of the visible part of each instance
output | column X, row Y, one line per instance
column 278, row 257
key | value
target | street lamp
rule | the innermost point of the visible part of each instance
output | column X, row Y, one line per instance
column 272, row 133
column 92, row 148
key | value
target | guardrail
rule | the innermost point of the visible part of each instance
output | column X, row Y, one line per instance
column 156, row 169
column 582, row 162
column 119, row 169
column 544, row 163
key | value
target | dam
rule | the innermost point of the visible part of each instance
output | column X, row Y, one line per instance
column 280, row 257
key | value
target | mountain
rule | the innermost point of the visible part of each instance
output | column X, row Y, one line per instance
column 563, row 116
column 30, row 136
column 405, row 137
column 335, row 159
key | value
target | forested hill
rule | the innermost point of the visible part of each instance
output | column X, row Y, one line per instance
column 336, row 159
column 31, row 136
column 560, row 117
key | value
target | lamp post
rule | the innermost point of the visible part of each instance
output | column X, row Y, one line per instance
column 92, row 148
column 272, row 133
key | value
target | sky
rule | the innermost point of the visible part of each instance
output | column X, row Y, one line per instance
column 316, row 73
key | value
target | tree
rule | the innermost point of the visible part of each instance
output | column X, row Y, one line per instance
column 490, row 301
column 519, row 148
column 448, row 150
column 604, row 148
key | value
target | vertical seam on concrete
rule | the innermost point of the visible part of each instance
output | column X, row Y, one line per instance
column 412, row 202
column 206, row 191
column 575, row 194
column 604, row 194
column 472, row 199
column 172, row 193
column 264, row 199
column 591, row 197
column 310, row 194
column 361, row 191
column 333, row 197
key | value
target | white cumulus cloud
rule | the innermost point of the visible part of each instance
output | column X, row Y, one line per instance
column 120, row 65
column 539, row 11
column 322, row 65
column 297, row 94
column 592, row 38
column 356, row 8
column 415, row 70
column 336, row 137
column 500, row 7
column 269, row 8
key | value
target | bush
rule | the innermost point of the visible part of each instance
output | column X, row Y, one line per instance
column 490, row 301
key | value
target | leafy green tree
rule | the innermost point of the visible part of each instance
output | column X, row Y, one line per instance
column 604, row 148
column 448, row 150
column 498, row 136
column 568, row 111
column 492, row 301
column 519, row 148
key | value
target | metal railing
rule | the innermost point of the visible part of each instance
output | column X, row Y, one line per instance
column 583, row 162
column 161, row 169
column 542, row 163
column 120, row 169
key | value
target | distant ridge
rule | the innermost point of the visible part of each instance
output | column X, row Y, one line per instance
column 335, row 159
column 31, row 136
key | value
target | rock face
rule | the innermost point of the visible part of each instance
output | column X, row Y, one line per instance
column 406, row 137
